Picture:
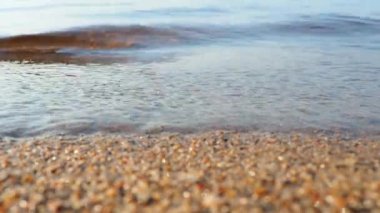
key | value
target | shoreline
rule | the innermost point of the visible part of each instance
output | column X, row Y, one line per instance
column 126, row 130
column 217, row 171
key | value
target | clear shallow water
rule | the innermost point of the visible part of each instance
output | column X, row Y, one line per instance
column 132, row 66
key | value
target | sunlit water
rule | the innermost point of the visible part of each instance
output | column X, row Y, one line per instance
column 73, row 67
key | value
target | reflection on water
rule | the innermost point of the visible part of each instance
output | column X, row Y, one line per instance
column 95, row 38
column 264, row 66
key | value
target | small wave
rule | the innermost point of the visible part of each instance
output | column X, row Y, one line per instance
column 93, row 38
column 85, row 45
column 119, row 37
column 69, row 46
column 100, row 44
column 328, row 24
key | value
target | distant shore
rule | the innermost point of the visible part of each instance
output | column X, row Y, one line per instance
column 216, row 171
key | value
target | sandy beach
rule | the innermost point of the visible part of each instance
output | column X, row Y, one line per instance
column 189, row 106
column 214, row 171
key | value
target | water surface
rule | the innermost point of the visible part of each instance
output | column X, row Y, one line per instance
column 73, row 67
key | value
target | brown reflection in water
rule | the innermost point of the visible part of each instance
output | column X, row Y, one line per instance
column 95, row 38
column 50, row 47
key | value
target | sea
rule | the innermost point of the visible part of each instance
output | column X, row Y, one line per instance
column 74, row 67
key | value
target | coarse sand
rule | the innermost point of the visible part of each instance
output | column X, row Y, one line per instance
column 217, row 171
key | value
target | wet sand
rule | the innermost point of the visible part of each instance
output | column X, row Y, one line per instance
column 215, row 171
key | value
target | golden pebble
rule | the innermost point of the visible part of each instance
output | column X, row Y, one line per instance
column 111, row 192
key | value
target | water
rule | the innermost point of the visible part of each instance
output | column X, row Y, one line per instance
column 78, row 67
